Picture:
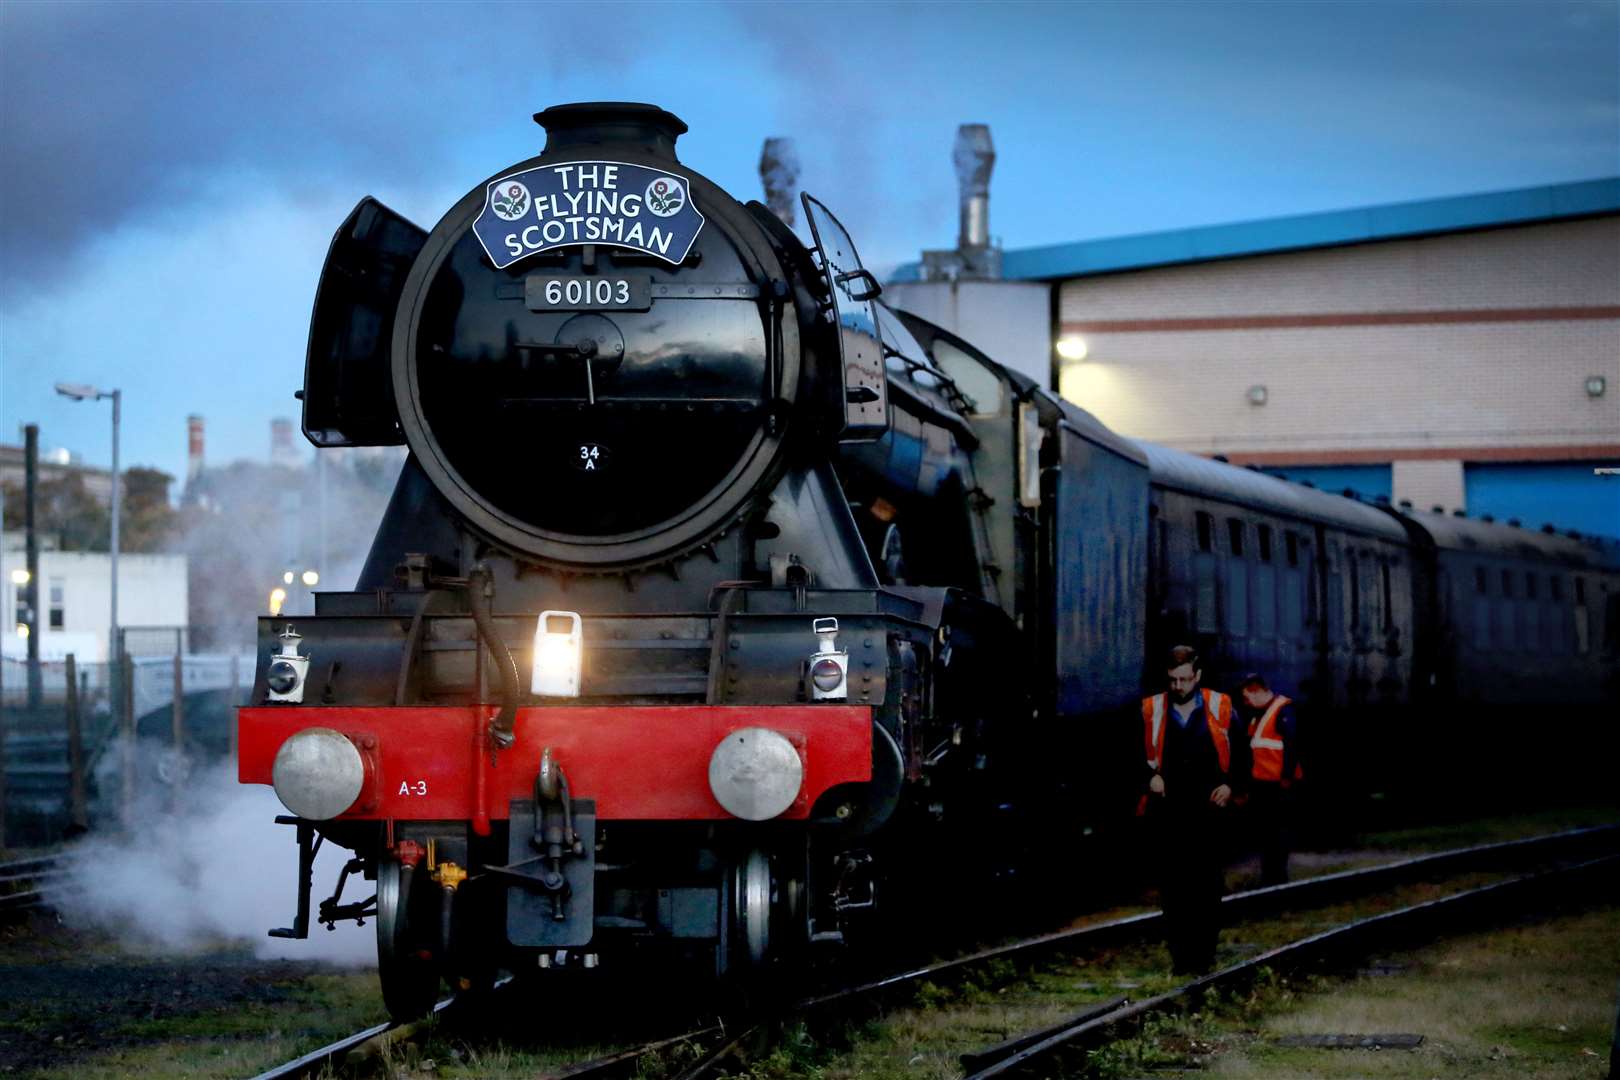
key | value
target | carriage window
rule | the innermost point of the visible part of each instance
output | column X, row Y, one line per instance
column 1293, row 601
column 1355, row 590
column 1555, row 587
column 1481, row 582
column 1291, row 544
column 1313, row 598
column 1265, row 602
column 1206, row 532
column 1530, row 586
column 1580, row 590
column 1506, row 615
column 1265, row 543
column 1389, row 617
column 1204, row 582
column 1237, row 597
column 1234, row 532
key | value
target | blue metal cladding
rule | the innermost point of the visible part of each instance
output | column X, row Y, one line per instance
column 1568, row 494
column 1368, row 481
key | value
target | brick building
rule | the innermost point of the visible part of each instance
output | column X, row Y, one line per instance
column 1460, row 352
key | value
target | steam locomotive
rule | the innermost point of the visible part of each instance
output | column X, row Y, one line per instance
column 713, row 588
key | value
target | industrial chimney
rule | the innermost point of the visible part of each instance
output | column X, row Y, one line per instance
column 779, row 173
column 194, row 448
column 975, row 257
column 974, row 157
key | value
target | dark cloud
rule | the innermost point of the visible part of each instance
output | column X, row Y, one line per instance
column 111, row 111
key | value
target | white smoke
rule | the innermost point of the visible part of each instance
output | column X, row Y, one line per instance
column 205, row 871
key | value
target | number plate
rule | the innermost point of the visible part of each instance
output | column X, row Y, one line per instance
column 607, row 292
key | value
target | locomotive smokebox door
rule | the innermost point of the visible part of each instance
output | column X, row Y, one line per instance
column 533, row 907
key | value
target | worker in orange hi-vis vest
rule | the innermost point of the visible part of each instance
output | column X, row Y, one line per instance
column 1187, row 787
column 1274, row 775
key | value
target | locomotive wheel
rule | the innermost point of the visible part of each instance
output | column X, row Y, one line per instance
column 409, row 977
column 745, row 920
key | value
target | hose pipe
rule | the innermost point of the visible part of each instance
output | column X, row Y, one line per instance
column 481, row 589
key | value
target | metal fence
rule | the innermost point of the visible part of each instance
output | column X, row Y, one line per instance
column 53, row 739
column 154, row 640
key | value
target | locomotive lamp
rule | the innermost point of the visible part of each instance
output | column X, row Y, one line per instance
column 285, row 677
column 829, row 667
column 318, row 773
column 556, row 656
column 755, row 773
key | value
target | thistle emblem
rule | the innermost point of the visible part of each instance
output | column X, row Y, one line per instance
column 665, row 196
column 510, row 201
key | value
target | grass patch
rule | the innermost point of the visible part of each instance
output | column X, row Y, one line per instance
column 1528, row 1001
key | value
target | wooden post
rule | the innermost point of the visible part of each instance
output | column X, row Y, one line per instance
column 126, row 725
column 78, row 811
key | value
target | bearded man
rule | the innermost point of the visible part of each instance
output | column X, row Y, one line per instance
column 1188, row 786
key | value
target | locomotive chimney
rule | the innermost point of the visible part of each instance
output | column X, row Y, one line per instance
column 194, row 448
column 591, row 126
column 974, row 157
column 779, row 173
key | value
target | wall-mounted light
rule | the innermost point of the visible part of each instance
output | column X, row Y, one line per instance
column 1072, row 347
column 1595, row 385
column 1257, row 394
column 311, row 578
column 19, row 576
column 287, row 577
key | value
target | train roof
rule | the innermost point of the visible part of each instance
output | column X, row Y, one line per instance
column 1452, row 533
column 1228, row 483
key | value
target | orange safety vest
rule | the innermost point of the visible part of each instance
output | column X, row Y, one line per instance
column 1218, row 710
column 1266, row 744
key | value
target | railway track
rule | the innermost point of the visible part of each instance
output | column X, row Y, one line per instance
column 26, row 884
column 1594, row 847
column 1359, row 936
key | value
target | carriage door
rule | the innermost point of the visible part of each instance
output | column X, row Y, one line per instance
column 853, row 290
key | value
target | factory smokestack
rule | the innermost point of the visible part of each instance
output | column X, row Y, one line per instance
column 282, row 451
column 974, row 258
column 974, row 157
column 194, row 448
column 779, row 173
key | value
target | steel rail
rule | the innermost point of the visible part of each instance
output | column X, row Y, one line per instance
column 318, row 1059
column 1130, row 926
column 39, row 862
column 1359, row 932
column 1249, row 904
column 22, row 901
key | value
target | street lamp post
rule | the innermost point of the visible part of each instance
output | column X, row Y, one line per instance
column 83, row 392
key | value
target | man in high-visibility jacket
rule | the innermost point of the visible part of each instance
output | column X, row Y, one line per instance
column 1274, row 751
column 1188, row 785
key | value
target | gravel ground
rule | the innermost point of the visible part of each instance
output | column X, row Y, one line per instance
column 70, row 995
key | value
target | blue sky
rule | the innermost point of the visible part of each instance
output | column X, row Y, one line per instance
column 170, row 175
